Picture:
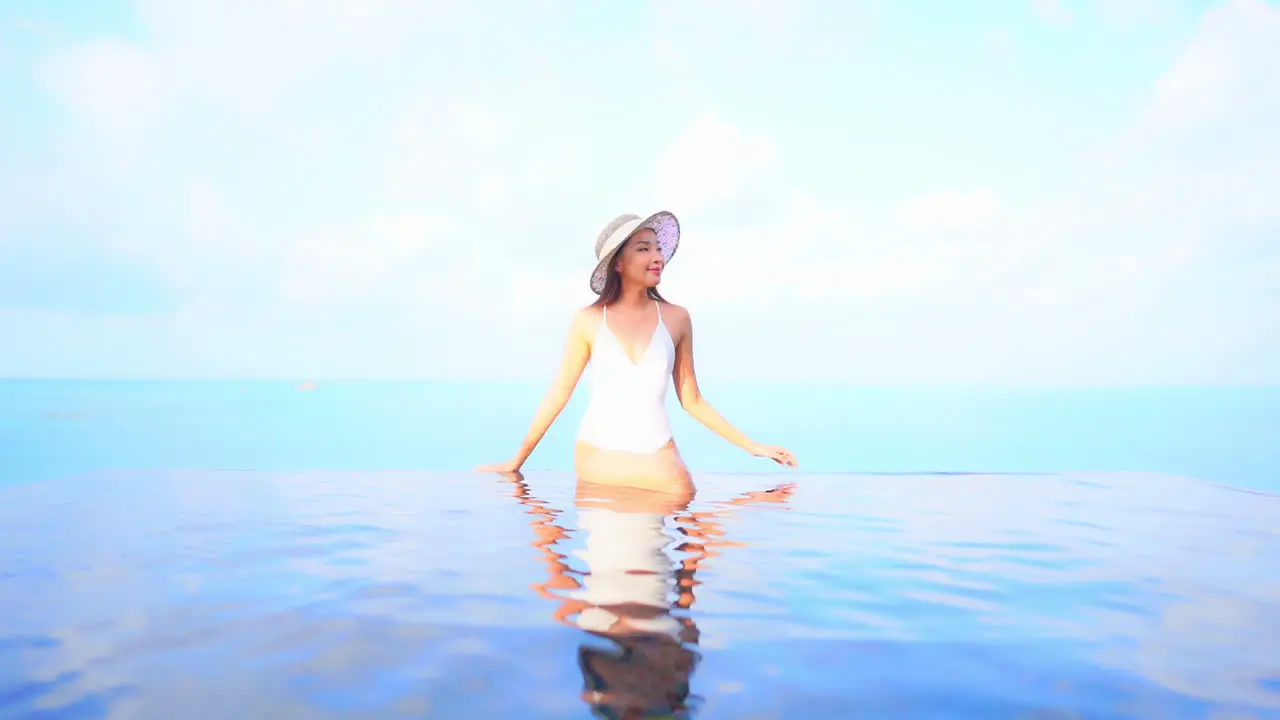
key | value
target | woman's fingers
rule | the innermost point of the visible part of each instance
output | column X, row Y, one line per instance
column 785, row 457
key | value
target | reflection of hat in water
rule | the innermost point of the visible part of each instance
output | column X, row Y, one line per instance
column 666, row 689
column 662, row 223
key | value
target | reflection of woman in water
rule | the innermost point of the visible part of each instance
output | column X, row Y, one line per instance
column 634, row 341
column 631, row 586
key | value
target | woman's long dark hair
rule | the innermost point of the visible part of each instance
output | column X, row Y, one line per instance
column 613, row 282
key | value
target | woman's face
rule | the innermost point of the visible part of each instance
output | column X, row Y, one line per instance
column 641, row 262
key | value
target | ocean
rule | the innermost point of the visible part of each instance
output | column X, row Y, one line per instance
column 232, row 549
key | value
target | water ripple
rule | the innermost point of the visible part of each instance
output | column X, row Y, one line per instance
column 333, row 595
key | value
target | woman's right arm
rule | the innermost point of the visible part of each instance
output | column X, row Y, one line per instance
column 576, row 353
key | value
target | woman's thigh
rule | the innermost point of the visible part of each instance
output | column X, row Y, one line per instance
column 664, row 470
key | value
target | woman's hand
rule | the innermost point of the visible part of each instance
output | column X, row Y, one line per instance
column 510, row 466
column 778, row 454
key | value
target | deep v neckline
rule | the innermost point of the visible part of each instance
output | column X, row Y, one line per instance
column 644, row 355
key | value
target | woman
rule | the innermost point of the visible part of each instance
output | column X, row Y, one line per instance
column 636, row 343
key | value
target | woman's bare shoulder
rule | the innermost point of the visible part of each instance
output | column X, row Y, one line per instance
column 676, row 312
column 587, row 319
column 589, row 312
column 677, row 321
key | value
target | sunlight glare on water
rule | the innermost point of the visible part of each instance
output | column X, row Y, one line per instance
column 407, row 594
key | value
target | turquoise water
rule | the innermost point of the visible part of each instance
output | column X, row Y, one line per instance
column 58, row 428
column 251, row 550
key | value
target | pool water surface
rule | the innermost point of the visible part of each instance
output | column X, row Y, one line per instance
column 350, row 594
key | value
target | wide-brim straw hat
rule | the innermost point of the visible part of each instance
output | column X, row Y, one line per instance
column 662, row 223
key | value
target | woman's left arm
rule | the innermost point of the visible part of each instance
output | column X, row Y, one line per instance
column 691, row 399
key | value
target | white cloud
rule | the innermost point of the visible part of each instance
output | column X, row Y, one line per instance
column 1135, row 12
column 1054, row 11
column 950, row 212
column 1105, row 281
column 712, row 161
column 248, row 58
column 117, row 86
column 1227, row 71
column 474, row 196
column 477, row 155
column 111, row 81
column 207, row 214
column 687, row 31
column 334, row 265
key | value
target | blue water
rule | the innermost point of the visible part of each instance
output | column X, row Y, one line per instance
column 58, row 428
column 252, row 550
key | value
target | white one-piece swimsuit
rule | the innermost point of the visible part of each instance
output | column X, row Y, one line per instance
column 628, row 406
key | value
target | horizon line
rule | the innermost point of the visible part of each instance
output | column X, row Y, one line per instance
column 302, row 378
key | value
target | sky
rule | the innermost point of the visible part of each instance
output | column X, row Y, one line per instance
column 1069, row 192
